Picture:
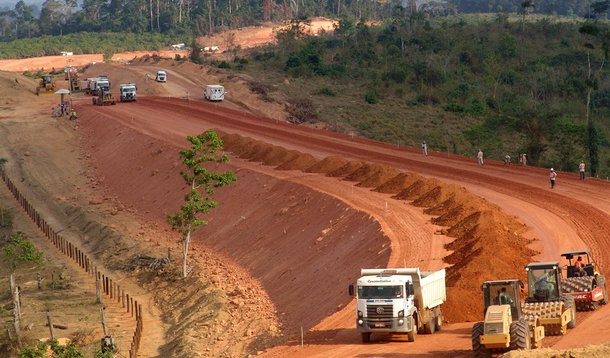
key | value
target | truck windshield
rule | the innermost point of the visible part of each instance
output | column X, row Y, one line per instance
column 383, row 292
column 542, row 284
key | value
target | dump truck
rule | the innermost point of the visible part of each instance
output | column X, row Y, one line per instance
column 505, row 327
column 399, row 301
column 214, row 93
column 546, row 301
column 69, row 72
column 104, row 98
column 46, row 85
column 161, row 76
column 587, row 286
column 95, row 84
column 127, row 92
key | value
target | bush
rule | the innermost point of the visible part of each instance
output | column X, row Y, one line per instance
column 20, row 250
column 259, row 88
column 224, row 64
column 325, row 91
column 371, row 97
column 301, row 110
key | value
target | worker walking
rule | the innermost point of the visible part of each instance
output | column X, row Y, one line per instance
column 553, row 176
column 424, row 149
column 524, row 159
column 581, row 169
column 507, row 159
column 480, row 157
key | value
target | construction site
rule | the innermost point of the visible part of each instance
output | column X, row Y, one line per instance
column 309, row 210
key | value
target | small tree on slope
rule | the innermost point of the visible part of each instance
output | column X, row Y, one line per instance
column 198, row 200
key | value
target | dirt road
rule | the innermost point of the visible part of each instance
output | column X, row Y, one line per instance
column 574, row 214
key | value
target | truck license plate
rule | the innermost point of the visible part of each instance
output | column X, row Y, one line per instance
column 379, row 325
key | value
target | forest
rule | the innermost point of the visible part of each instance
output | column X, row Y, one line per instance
column 200, row 17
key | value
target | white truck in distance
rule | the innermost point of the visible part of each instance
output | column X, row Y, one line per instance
column 399, row 300
column 95, row 84
column 161, row 76
column 214, row 93
column 127, row 92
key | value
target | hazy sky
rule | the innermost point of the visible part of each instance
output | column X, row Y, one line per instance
column 11, row 3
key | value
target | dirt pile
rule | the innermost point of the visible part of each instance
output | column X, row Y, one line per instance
column 601, row 351
column 488, row 243
column 12, row 89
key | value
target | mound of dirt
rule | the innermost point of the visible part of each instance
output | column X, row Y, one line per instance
column 398, row 183
column 346, row 170
column 13, row 87
column 600, row 351
column 378, row 175
column 327, row 165
column 417, row 189
column 300, row 162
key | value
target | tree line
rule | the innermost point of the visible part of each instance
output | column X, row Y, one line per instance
column 199, row 17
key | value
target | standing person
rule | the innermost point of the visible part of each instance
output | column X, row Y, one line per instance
column 524, row 159
column 581, row 169
column 507, row 159
column 520, row 158
column 480, row 157
column 553, row 176
column 424, row 149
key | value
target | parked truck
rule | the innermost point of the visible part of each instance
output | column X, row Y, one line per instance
column 127, row 92
column 400, row 301
column 161, row 76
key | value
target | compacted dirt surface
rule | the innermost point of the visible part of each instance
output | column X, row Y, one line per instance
column 309, row 209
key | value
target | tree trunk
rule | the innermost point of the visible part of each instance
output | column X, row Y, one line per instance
column 158, row 15
column 180, row 4
column 185, row 253
column 210, row 17
column 152, row 27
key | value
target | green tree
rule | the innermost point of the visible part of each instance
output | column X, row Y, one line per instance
column 205, row 148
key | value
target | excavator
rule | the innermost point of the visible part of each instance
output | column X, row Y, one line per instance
column 46, row 85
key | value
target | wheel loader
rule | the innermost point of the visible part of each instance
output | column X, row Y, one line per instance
column 587, row 286
column 505, row 327
column 104, row 98
column 46, row 85
column 546, row 301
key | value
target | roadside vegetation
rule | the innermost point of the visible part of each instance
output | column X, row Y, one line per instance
column 504, row 85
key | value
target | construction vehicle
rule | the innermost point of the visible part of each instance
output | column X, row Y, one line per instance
column 214, row 93
column 161, row 76
column 46, row 85
column 127, row 92
column 104, row 98
column 546, row 301
column 505, row 327
column 587, row 286
column 95, row 84
column 69, row 72
column 399, row 301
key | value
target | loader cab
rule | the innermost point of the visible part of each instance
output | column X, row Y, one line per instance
column 47, row 79
column 543, row 282
column 571, row 257
column 505, row 292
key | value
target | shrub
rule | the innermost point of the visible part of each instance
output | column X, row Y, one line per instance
column 20, row 250
column 301, row 110
column 259, row 88
column 325, row 91
column 371, row 97
column 224, row 64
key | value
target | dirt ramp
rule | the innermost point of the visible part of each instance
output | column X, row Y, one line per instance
column 16, row 88
column 303, row 246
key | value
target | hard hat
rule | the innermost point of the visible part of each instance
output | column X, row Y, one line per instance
column 552, row 169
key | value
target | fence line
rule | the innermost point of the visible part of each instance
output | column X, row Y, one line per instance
column 109, row 287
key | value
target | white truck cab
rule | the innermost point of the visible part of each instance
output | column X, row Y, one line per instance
column 127, row 92
column 214, row 93
column 400, row 300
column 161, row 76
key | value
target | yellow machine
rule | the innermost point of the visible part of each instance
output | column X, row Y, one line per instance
column 46, row 85
column 505, row 327
column 546, row 301
column 103, row 99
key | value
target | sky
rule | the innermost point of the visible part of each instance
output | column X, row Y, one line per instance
column 11, row 3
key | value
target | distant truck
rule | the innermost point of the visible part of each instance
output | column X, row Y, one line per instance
column 161, row 76
column 399, row 300
column 70, row 72
column 95, row 84
column 214, row 93
column 127, row 92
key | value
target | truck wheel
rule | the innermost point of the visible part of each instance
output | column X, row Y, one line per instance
column 412, row 335
column 569, row 304
column 366, row 337
column 520, row 335
column 478, row 350
column 430, row 326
